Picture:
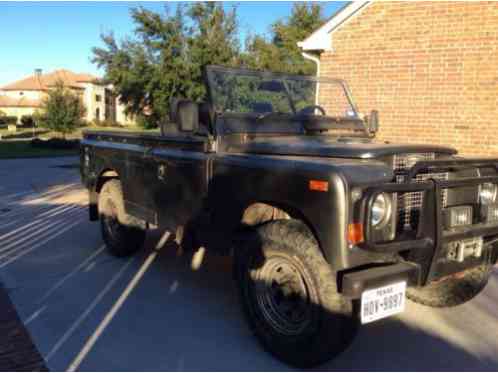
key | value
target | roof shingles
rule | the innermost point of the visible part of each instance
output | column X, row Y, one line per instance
column 45, row 81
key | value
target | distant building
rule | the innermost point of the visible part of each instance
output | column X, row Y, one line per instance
column 25, row 96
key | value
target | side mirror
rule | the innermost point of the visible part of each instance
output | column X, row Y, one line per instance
column 373, row 122
column 187, row 116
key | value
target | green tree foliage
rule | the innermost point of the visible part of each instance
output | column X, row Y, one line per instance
column 62, row 110
column 165, row 57
column 281, row 53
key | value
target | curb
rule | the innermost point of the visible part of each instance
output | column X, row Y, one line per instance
column 17, row 350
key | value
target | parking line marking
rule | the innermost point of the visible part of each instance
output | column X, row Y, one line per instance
column 71, row 274
column 89, row 309
column 38, row 220
column 115, row 308
column 39, row 230
column 34, row 315
column 22, row 253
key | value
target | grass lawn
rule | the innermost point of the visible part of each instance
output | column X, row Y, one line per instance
column 46, row 134
column 18, row 143
column 23, row 149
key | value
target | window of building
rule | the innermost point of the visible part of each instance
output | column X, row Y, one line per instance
column 21, row 93
column 98, row 98
column 97, row 114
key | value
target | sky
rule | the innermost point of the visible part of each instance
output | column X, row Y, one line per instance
column 56, row 35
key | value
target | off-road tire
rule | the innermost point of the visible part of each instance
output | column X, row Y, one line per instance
column 127, row 234
column 333, row 323
column 453, row 290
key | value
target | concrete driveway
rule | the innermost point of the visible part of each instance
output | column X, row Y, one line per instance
column 88, row 311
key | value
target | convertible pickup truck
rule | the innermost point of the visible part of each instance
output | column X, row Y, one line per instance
column 328, row 227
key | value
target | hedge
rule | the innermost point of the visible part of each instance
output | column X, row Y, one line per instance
column 27, row 121
column 8, row 119
column 55, row 143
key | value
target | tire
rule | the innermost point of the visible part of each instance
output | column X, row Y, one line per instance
column 453, row 290
column 123, row 234
column 317, row 323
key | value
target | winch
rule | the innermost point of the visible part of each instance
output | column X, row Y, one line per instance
column 460, row 250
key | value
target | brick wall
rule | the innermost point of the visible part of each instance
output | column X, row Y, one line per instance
column 430, row 68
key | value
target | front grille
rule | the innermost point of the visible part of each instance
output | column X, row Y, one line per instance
column 403, row 162
column 410, row 204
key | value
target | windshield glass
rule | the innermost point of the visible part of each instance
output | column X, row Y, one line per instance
column 246, row 91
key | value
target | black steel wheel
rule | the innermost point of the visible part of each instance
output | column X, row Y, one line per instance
column 289, row 295
column 122, row 233
column 283, row 295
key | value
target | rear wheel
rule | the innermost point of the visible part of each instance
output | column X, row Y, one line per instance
column 122, row 233
column 289, row 295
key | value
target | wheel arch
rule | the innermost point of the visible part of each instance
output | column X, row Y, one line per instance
column 104, row 176
column 261, row 212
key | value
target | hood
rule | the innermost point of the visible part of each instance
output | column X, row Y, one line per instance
column 321, row 146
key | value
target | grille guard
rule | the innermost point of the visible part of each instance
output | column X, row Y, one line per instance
column 426, row 243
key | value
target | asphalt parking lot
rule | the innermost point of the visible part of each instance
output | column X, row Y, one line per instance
column 86, row 310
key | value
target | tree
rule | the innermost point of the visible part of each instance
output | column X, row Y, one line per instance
column 166, row 57
column 62, row 110
column 281, row 52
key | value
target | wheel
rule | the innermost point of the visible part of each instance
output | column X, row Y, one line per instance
column 289, row 295
column 122, row 233
column 453, row 290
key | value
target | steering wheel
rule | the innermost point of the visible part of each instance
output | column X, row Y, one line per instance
column 308, row 110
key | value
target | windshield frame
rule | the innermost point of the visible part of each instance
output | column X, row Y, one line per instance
column 210, row 69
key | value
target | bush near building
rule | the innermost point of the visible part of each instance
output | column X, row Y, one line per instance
column 8, row 119
column 27, row 121
column 62, row 111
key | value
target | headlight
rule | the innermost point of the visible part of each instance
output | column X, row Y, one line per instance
column 487, row 193
column 381, row 210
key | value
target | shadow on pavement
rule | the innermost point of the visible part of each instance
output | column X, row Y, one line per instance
column 180, row 319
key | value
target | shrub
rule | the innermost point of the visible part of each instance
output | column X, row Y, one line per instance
column 105, row 123
column 145, row 122
column 8, row 119
column 55, row 143
column 27, row 121
column 62, row 110
column 39, row 118
column 85, row 123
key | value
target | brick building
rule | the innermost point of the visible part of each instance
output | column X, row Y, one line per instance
column 430, row 68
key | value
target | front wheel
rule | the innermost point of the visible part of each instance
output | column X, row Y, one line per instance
column 289, row 295
column 122, row 233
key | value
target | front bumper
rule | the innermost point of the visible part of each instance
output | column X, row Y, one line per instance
column 355, row 283
column 425, row 247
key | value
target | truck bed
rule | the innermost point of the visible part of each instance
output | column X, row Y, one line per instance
column 139, row 138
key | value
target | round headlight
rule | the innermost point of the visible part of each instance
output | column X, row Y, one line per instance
column 381, row 210
column 487, row 193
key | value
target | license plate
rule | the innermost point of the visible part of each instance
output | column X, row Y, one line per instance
column 382, row 302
